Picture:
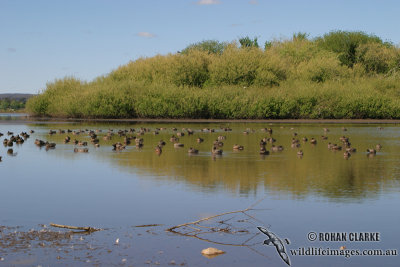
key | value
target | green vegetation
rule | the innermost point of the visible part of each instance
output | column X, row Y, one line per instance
column 7, row 105
column 338, row 75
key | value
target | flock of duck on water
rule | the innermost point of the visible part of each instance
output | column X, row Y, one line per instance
column 129, row 136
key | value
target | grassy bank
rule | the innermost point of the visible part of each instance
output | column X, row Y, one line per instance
column 338, row 75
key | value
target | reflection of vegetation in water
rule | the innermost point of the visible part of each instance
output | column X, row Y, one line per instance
column 320, row 171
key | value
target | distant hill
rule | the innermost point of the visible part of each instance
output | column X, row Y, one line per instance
column 16, row 96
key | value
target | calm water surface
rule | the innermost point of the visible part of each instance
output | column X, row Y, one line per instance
column 320, row 192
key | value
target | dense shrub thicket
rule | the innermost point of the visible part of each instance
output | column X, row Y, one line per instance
column 338, row 75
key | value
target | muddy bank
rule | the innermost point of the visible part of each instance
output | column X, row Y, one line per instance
column 33, row 119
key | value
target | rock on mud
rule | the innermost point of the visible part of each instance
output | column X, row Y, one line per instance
column 211, row 252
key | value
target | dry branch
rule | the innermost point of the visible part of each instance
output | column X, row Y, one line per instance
column 87, row 229
column 214, row 216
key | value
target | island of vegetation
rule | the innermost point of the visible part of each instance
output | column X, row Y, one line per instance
column 340, row 75
column 13, row 102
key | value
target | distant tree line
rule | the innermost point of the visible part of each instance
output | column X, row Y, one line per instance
column 12, row 104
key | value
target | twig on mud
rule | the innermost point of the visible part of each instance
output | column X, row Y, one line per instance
column 86, row 229
column 171, row 229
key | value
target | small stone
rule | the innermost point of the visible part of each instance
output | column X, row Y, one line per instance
column 1, row 259
column 117, row 241
column 172, row 262
column 211, row 252
column 123, row 260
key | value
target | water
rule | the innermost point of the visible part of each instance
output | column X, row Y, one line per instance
column 116, row 191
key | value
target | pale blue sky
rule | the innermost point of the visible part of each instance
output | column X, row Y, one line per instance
column 41, row 40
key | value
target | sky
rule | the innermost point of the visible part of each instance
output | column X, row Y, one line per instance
column 44, row 40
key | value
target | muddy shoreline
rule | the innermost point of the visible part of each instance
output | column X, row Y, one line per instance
column 29, row 119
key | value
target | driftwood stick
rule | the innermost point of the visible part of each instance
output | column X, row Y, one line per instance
column 87, row 229
column 204, row 219
column 214, row 216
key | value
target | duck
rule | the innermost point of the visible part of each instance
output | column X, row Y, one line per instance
column 178, row 145
column 174, row 139
column 336, row 147
column 238, row 147
column 10, row 143
column 158, row 149
column 81, row 143
column 347, row 144
column 300, row 153
column 10, row 151
column 216, row 151
column 263, row 151
column 81, row 150
column 378, row 147
column 313, row 141
column 221, row 137
column 107, row 137
column 351, row 149
column 295, row 141
column 161, row 143
column 0, row 158
column 324, row 137
column 190, row 131
column 39, row 142
column 218, row 143
column 294, row 145
column 346, row 154
column 276, row 148
column 193, row 151
column 371, row 151
column 19, row 140
column 25, row 135
column 180, row 134
column 139, row 141
column 199, row 140
column 305, row 139
column 118, row 146
column 127, row 140
column 50, row 145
